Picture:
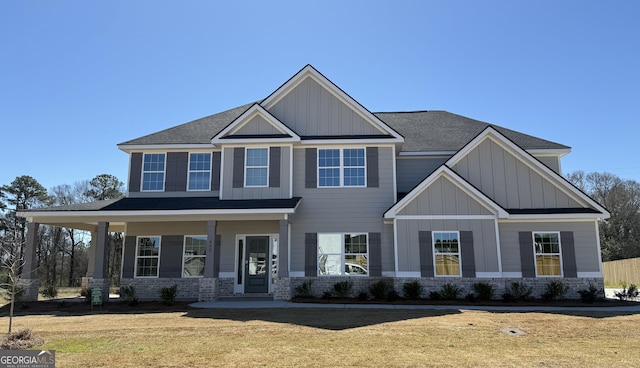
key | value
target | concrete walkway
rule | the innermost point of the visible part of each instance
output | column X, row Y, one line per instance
column 266, row 303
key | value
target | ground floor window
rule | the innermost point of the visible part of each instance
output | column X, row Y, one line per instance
column 194, row 255
column 343, row 254
column 547, row 251
column 446, row 253
column 147, row 256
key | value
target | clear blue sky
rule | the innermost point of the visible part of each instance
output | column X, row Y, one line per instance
column 78, row 77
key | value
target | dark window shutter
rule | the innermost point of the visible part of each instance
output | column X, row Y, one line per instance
column 375, row 254
column 171, row 256
column 216, row 164
column 129, row 257
column 372, row 167
column 569, row 266
column 238, row 167
column 274, row 167
column 467, row 254
column 311, row 254
column 311, row 168
column 426, row 254
column 527, row 261
column 176, row 177
column 136, row 172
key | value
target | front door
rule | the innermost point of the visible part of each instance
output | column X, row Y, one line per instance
column 256, row 266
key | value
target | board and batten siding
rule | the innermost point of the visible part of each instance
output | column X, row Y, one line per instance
column 584, row 238
column 485, row 249
column 257, row 125
column 237, row 191
column 508, row 181
column 343, row 210
column 442, row 197
column 310, row 110
column 412, row 170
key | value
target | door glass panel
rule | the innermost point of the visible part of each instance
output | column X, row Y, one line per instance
column 257, row 258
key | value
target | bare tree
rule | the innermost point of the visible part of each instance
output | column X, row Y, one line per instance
column 12, row 263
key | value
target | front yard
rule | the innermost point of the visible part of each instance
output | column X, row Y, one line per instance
column 179, row 336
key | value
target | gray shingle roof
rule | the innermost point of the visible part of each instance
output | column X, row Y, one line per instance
column 444, row 131
column 422, row 131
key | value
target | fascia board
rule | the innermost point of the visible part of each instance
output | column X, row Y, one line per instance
column 128, row 148
column 133, row 213
column 323, row 142
column 310, row 72
column 569, row 217
column 530, row 161
column 251, row 141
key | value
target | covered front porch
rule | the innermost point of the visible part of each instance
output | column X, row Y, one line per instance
column 244, row 245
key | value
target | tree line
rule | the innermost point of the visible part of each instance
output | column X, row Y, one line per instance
column 62, row 253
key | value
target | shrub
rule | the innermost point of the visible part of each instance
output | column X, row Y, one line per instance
column 450, row 291
column 304, row 290
column 49, row 291
column 507, row 297
column 168, row 294
column 434, row 295
column 128, row 295
column 392, row 296
column 20, row 340
column 379, row 290
column 363, row 296
column 591, row 294
column 519, row 290
column 630, row 293
column 327, row 294
column 470, row 297
column 343, row 289
column 555, row 290
column 484, row 290
column 412, row 290
column 87, row 295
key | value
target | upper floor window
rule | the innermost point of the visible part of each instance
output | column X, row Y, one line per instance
column 257, row 167
column 547, row 252
column 199, row 171
column 342, row 254
column 341, row 167
column 153, row 172
column 446, row 253
column 147, row 256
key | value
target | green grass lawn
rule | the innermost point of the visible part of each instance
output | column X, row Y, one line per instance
column 184, row 337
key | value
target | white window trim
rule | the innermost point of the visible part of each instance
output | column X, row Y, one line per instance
column 341, row 167
column 343, row 254
column 246, row 167
column 535, row 254
column 189, row 171
column 184, row 248
column 164, row 172
column 459, row 253
column 135, row 265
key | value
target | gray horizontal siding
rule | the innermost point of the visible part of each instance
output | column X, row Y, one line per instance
column 411, row 170
column 343, row 210
column 485, row 251
column 584, row 235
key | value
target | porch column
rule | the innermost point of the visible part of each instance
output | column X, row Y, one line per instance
column 29, row 276
column 283, row 249
column 98, row 259
column 208, row 285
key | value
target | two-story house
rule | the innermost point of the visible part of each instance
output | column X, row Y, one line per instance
column 308, row 184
